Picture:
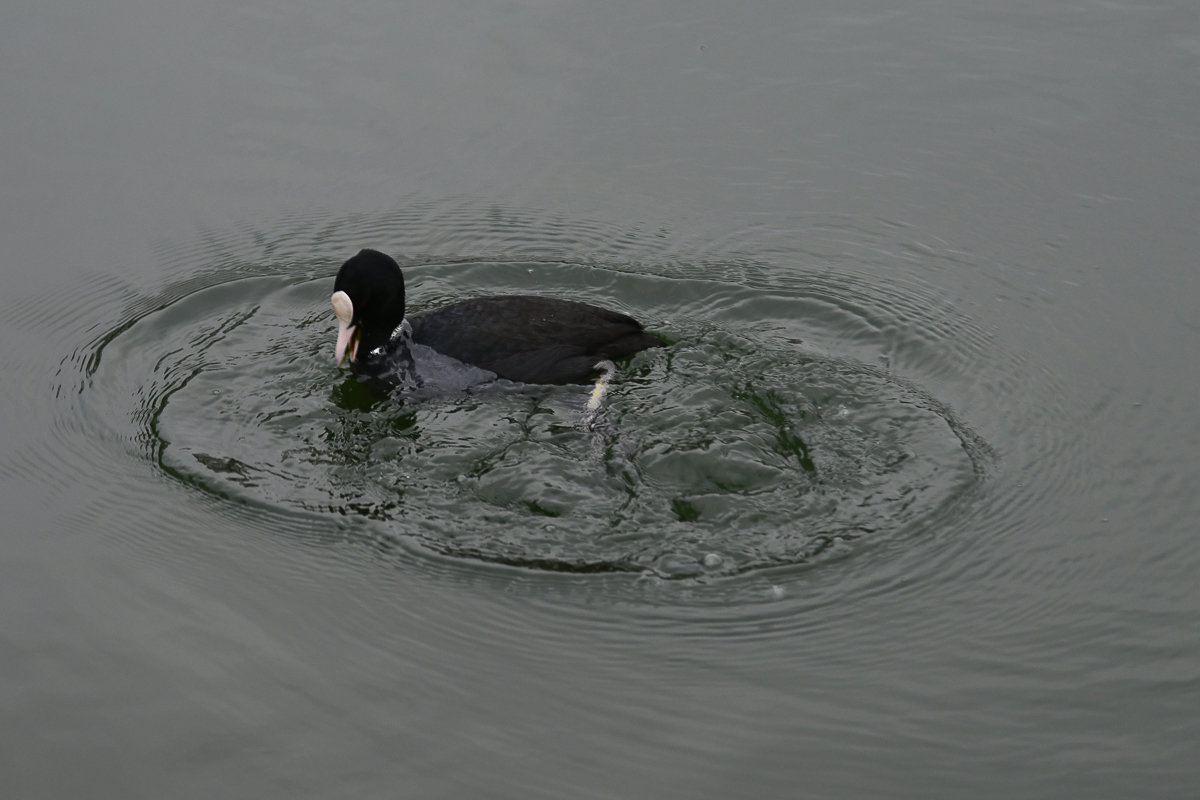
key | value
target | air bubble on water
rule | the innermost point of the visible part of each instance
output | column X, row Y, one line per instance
column 713, row 560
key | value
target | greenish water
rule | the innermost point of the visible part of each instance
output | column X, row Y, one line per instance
column 733, row 449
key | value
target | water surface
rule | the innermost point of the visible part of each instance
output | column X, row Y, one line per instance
column 906, row 508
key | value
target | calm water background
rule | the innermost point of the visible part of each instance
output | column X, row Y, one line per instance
column 990, row 206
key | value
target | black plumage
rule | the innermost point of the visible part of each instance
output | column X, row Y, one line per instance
column 522, row 338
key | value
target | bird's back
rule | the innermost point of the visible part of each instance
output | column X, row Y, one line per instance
column 531, row 339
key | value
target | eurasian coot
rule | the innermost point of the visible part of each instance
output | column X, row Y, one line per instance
column 521, row 338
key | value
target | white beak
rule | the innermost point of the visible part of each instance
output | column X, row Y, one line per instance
column 345, row 332
column 343, row 309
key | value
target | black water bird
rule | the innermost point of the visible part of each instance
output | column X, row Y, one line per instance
column 521, row 338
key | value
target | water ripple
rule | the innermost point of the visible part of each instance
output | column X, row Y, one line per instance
column 795, row 419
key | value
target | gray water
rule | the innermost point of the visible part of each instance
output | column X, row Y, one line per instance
column 908, row 507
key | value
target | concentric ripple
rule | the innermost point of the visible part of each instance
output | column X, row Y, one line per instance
column 741, row 446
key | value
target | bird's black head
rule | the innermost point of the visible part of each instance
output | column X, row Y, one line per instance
column 368, row 299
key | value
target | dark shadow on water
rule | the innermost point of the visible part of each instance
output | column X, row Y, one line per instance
column 358, row 393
